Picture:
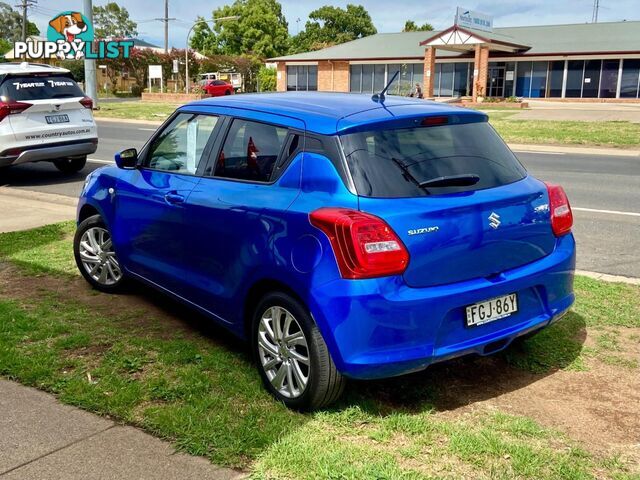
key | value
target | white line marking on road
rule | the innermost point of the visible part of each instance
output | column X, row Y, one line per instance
column 539, row 153
column 611, row 212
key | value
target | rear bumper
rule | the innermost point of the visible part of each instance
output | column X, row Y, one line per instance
column 50, row 152
column 381, row 328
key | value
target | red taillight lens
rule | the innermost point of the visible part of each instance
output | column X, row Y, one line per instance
column 86, row 102
column 433, row 121
column 364, row 245
column 10, row 108
column 561, row 216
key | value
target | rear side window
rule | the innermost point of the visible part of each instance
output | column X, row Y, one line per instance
column 25, row 88
column 392, row 163
column 250, row 151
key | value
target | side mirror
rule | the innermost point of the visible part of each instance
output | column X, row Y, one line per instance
column 127, row 159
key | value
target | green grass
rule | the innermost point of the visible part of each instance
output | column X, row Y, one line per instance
column 152, row 111
column 197, row 387
column 602, row 134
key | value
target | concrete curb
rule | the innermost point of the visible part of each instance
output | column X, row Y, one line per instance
column 605, row 277
column 39, row 196
column 617, row 152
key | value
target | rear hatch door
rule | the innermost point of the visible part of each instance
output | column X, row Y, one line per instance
column 455, row 195
column 55, row 114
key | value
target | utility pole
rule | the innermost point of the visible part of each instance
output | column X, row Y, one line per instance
column 166, row 21
column 25, row 5
column 596, row 7
column 90, row 87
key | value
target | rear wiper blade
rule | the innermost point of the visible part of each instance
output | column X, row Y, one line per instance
column 464, row 180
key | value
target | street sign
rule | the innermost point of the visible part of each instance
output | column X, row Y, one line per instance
column 175, row 66
column 471, row 19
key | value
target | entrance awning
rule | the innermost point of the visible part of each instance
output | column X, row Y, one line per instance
column 461, row 39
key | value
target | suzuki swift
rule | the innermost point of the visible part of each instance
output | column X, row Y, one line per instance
column 343, row 236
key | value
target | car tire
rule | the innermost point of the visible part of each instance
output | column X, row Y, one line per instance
column 70, row 165
column 93, row 249
column 324, row 384
column 227, row 92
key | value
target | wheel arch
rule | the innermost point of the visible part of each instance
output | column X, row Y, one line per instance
column 258, row 290
column 87, row 211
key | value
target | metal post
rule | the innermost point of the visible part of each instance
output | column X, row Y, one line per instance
column 166, row 26
column 90, row 87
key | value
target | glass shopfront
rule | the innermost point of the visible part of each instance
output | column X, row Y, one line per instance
column 370, row 78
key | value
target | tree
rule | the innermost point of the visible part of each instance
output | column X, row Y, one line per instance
column 260, row 31
column 75, row 67
column 11, row 24
column 112, row 21
column 410, row 26
column 267, row 79
column 329, row 26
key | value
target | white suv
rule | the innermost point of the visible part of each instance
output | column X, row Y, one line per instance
column 44, row 116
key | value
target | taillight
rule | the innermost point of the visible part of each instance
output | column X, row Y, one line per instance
column 10, row 108
column 561, row 216
column 364, row 245
column 86, row 102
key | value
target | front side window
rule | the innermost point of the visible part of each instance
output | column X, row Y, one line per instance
column 250, row 151
column 180, row 145
column 408, row 162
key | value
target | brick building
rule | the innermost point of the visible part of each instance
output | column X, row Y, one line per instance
column 594, row 61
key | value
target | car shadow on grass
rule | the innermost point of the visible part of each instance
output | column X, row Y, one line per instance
column 467, row 380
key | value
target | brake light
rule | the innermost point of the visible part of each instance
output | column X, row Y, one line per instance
column 86, row 102
column 561, row 215
column 433, row 121
column 10, row 108
column 365, row 246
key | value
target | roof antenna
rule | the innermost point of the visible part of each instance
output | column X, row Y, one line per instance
column 379, row 97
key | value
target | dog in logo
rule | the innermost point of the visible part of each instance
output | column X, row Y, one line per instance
column 69, row 26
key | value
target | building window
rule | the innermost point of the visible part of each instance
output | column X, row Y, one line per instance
column 369, row 78
column 556, row 74
column 302, row 77
column 531, row 80
column 355, row 78
column 609, row 78
column 575, row 70
column 630, row 83
column 591, row 80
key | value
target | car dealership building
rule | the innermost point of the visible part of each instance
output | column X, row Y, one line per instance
column 590, row 62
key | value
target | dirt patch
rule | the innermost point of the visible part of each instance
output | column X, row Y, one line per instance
column 600, row 407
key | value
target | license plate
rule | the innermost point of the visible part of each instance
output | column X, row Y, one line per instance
column 51, row 119
column 491, row 310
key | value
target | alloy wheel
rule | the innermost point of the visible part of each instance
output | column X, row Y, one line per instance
column 283, row 352
column 98, row 257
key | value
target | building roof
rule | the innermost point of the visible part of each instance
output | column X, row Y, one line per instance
column 606, row 37
column 328, row 113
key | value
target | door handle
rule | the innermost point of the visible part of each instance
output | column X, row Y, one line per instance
column 174, row 198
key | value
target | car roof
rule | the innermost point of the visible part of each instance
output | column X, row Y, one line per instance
column 328, row 113
column 25, row 67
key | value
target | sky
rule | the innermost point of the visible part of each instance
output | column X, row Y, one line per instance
column 387, row 15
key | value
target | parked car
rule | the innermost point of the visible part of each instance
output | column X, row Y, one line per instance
column 217, row 88
column 44, row 116
column 343, row 238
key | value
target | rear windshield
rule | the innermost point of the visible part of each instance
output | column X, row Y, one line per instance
column 39, row 88
column 393, row 163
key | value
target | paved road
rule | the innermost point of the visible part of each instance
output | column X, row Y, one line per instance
column 604, row 192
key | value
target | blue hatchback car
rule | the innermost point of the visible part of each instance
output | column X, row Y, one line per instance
column 342, row 237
